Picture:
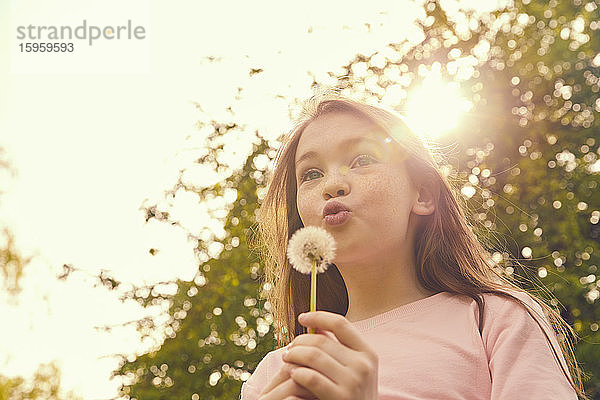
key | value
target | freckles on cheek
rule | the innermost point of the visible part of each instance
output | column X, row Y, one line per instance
column 303, row 206
column 386, row 194
column 373, row 185
column 383, row 185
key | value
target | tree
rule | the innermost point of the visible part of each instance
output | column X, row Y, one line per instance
column 217, row 326
column 12, row 263
column 45, row 385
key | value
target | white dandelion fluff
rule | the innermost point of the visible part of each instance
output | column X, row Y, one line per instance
column 309, row 244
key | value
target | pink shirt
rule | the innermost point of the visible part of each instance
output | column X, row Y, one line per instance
column 431, row 349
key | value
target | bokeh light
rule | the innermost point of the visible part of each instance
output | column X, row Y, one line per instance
column 435, row 107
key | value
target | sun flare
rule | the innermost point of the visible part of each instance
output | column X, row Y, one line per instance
column 435, row 107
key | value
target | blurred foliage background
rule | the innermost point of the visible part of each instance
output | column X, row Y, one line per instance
column 45, row 384
column 525, row 159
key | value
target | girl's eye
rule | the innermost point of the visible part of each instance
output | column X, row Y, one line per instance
column 364, row 157
column 306, row 174
column 358, row 161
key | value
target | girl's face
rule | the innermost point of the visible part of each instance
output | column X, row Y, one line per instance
column 355, row 163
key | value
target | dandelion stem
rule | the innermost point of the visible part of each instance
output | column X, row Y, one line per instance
column 313, row 290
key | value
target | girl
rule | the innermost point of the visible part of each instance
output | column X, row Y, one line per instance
column 411, row 307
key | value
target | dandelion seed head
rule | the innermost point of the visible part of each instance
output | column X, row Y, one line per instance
column 308, row 244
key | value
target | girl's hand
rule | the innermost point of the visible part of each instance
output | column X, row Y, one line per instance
column 331, row 370
column 282, row 386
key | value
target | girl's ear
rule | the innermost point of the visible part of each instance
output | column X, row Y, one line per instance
column 425, row 202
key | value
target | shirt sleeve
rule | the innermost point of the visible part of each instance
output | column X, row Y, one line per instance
column 252, row 388
column 249, row 392
column 521, row 362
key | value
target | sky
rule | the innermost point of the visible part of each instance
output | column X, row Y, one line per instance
column 94, row 138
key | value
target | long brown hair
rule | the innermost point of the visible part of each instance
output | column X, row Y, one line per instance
column 448, row 255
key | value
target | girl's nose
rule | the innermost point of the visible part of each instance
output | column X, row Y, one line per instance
column 335, row 186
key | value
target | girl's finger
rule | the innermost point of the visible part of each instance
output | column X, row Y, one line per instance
column 327, row 343
column 320, row 386
column 338, row 325
column 286, row 389
column 317, row 359
column 280, row 377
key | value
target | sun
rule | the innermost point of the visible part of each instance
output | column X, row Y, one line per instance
column 435, row 107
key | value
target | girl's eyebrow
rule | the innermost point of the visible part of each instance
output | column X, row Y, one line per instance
column 345, row 143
